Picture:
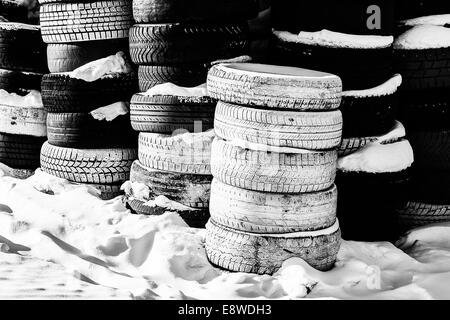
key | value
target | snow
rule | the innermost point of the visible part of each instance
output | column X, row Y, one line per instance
column 423, row 37
column 436, row 20
column 62, row 238
column 110, row 112
column 170, row 89
column 18, row 26
column 396, row 133
column 32, row 100
column 379, row 158
column 97, row 69
column 389, row 87
column 331, row 39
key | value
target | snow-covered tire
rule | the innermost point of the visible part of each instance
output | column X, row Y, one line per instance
column 184, row 43
column 185, row 153
column 81, row 130
column 16, row 81
column 353, row 144
column 274, row 87
column 19, row 151
column 416, row 214
column 184, row 75
column 424, row 69
column 23, row 120
column 85, row 21
column 358, row 68
column 165, row 114
column 188, row 189
column 97, row 166
column 61, row 93
column 345, row 16
column 65, row 57
column 262, row 212
column 304, row 130
column 21, row 48
column 265, row 171
column 264, row 254
column 157, row 11
column 193, row 218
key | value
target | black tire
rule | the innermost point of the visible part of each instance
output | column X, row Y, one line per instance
column 191, row 190
column 60, row 93
column 185, row 75
column 94, row 166
column 430, row 186
column 423, row 69
column 345, row 16
column 406, row 9
column 418, row 214
column 158, row 11
column 19, row 82
column 367, row 204
column 358, row 68
column 63, row 22
column 20, row 152
column 165, row 114
column 179, row 43
column 193, row 218
column 81, row 130
column 19, row 42
column 431, row 149
column 62, row 57
column 108, row 191
column 13, row 11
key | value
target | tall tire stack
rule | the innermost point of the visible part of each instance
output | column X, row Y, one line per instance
column 176, row 41
column 90, row 139
column 274, row 162
column 22, row 116
column 422, row 55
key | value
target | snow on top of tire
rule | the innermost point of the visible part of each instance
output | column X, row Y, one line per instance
column 18, row 26
column 436, row 20
column 32, row 100
column 332, row 39
column 170, row 89
column 387, row 88
column 379, row 158
column 424, row 37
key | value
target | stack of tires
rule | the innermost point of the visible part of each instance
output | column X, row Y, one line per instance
column 422, row 55
column 354, row 40
column 175, row 41
column 83, row 146
column 22, row 117
column 274, row 162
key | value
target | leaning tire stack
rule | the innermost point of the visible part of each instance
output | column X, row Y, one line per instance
column 22, row 117
column 422, row 55
column 82, row 147
column 274, row 163
column 175, row 41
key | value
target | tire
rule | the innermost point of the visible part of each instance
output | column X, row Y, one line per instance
column 367, row 204
column 19, row 82
column 430, row 186
column 60, row 93
column 272, row 213
column 263, row 254
column 108, row 191
column 166, row 114
column 184, row 76
column 261, row 87
column 303, row 130
column 160, row 11
column 346, row 16
column 359, row 69
column 21, row 174
column 272, row 171
column 424, row 69
column 19, row 42
column 29, row 121
column 19, row 151
column 85, row 21
column 62, row 57
column 95, row 166
column 351, row 145
column 193, row 218
column 13, row 11
column 81, row 130
column 186, row 153
column 179, row 44
column 416, row 214
column 368, row 116
column 188, row 189
column 431, row 149
column 407, row 9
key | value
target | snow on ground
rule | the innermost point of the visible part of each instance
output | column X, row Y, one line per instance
column 59, row 240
